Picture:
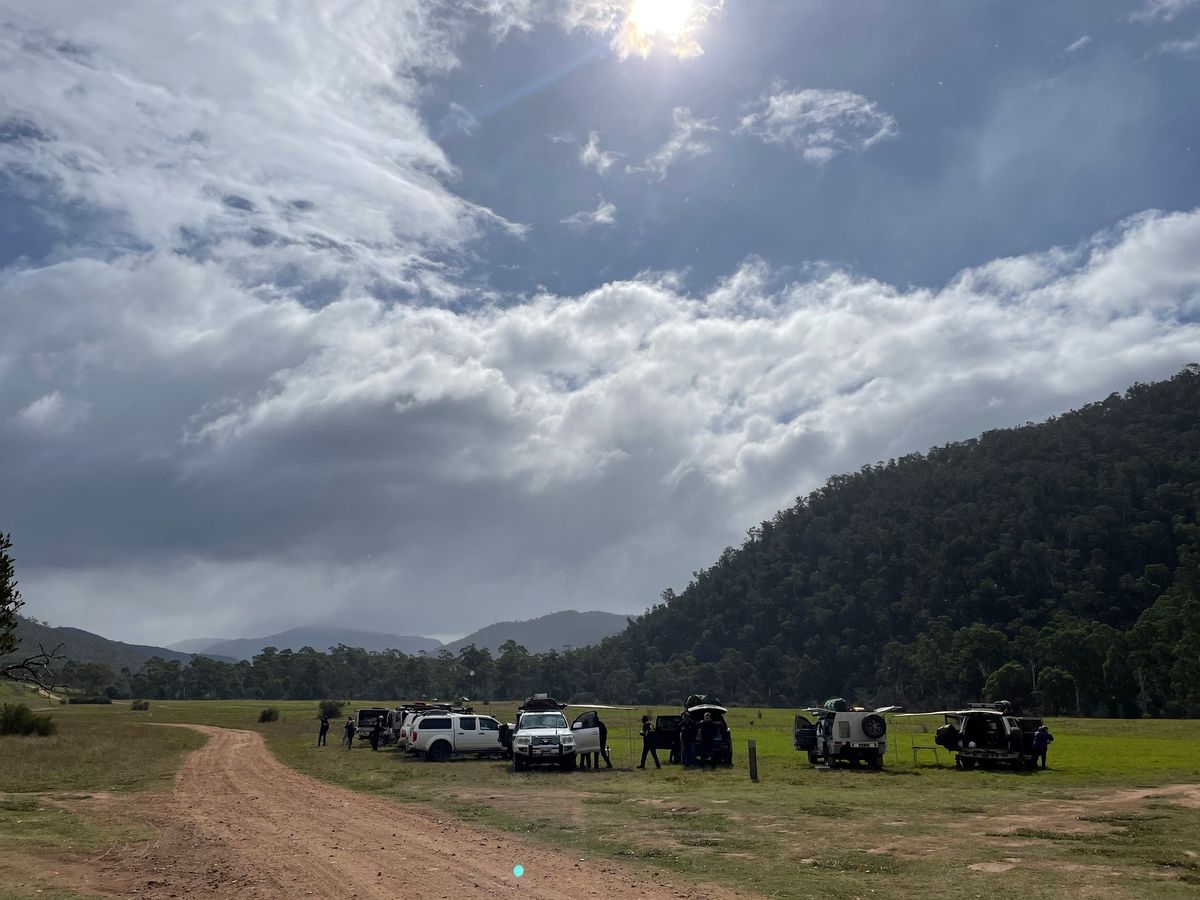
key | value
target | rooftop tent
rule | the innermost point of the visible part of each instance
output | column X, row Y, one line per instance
column 542, row 703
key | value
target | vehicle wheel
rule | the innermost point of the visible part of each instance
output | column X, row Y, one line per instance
column 874, row 727
column 967, row 764
column 876, row 761
column 519, row 764
column 567, row 764
column 439, row 752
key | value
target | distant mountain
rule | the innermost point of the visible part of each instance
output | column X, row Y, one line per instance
column 322, row 637
column 84, row 647
column 549, row 632
column 195, row 645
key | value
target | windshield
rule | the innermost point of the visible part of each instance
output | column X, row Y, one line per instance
column 543, row 720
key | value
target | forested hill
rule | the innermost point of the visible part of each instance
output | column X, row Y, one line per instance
column 1041, row 547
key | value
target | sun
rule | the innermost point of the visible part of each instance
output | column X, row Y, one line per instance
column 670, row 19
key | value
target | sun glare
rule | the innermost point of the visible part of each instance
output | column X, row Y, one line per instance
column 669, row 24
column 661, row 18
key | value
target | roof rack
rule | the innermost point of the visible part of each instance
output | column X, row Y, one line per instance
column 542, row 703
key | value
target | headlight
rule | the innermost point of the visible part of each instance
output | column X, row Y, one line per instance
column 568, row 742
column 521, row 741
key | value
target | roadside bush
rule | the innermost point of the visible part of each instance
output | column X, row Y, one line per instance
column 331, row 708
column 89, row 700
column 270, row 714
column 141, row 705
column 20, row 719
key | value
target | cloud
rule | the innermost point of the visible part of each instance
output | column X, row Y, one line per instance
column 1181, row 47
column 592, row 157
column 459, row 118
column 604, row 214
column 821, row 124
column 291, row 152
column 1162, row 10
column 411, row 466
column 1079, row 44
column 52, row 414
column 686, row 142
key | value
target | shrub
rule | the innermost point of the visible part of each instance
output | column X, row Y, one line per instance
column 331, row 708
column 20, row 719
column 270, row 714
column 100, row 700
column 141, row 705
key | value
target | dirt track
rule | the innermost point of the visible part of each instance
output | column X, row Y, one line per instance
column 240, row 823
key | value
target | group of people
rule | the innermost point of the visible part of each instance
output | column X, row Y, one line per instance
column 349, row 732
column 694, row 746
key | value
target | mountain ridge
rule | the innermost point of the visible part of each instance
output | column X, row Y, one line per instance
column 83, row 646
column 552, row 631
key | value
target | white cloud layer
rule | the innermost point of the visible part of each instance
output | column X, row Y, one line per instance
column 605, row 214
column 686, row 142
column 252, row 133
column 1162, row 10
column 410, row 467
column 819, row 123
column 1181, row 46
column 591, row 156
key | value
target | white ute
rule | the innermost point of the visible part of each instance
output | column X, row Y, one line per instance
column 440, row 735
column 541, row 735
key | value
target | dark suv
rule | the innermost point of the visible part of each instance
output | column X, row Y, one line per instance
column 689, row 730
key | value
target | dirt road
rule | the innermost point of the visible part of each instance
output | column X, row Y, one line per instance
column 240, row 823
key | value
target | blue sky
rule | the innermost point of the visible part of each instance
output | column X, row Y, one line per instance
column 1007, row 141
column 421, row 315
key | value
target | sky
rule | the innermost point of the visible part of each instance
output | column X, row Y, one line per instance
column 419, row 315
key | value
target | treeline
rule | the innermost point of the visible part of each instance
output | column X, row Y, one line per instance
column 343, row 672
column 1056, row 565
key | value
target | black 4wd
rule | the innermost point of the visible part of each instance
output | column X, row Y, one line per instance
column 693, row 714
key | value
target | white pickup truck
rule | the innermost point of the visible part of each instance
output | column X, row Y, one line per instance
column 440, row 735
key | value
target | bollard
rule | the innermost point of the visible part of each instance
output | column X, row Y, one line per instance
column 752, row 755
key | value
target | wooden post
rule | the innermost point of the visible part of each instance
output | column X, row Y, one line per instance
column 752, row 755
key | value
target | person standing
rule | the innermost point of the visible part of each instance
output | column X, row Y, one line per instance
column 324, row 730
column 376, row 733
column 708, row 734
column 648, row 743
column 687, row 740
column 603, row 744
column 1042, row 739
column 349, row 729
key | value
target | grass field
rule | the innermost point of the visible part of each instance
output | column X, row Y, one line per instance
column 1073, row 830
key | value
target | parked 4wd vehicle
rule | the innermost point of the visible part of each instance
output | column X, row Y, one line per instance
column 541, row 735
column 667, row 735
column 407, row 715
column 836, row 733
column 366, row 720
column 988, row 734
column 440, row 735
column 695, row 708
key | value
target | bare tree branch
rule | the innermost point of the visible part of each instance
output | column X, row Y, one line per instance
column 37, row 669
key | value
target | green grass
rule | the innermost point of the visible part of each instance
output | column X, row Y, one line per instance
column 47, row 813
column 907, row 830
column 94, row 752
